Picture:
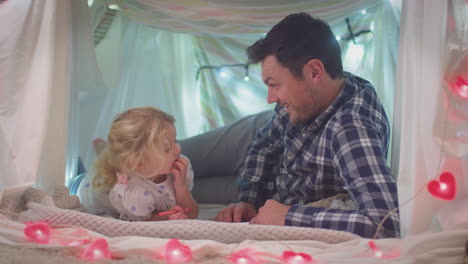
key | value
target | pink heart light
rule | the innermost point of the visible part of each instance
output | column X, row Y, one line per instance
column 39, row 232
column 378, row 253
column 176, row 252
column 98, row 249
column 445, row 188
column 291, row 257
column 460, row 87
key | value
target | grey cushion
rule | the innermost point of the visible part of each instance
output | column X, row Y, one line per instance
column 217, row 155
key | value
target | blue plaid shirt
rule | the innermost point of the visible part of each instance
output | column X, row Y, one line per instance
column 342, row 151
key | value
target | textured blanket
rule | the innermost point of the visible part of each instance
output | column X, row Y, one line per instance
column 62, row 211
column 60, row 208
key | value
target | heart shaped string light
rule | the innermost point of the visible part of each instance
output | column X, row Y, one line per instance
column 38, row 232
column 375, row 250
column 444, row 188
column 460, row 87
column 245, row 256
column 175, row 252
column 378, row 253
column 98, row 249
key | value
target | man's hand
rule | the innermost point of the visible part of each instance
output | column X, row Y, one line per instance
column 237, row 212
column 271, row 213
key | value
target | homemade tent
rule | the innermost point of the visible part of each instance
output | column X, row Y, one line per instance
column 54, row 101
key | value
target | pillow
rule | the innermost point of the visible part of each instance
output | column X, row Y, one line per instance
column 221, row 151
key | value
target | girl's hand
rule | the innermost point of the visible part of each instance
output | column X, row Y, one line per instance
column 178, row 216
column 179, row 170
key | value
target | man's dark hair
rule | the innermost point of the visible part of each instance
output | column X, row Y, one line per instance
column 297, row 39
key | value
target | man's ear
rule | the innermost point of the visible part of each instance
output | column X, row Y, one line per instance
column 314, row 70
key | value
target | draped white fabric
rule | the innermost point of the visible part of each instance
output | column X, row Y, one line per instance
column 433, row 38
column 231, row 18
column 88, row 89
column 132, row 49
column 34, row 93
column 149, row 67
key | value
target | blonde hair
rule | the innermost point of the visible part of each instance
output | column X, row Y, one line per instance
column 134, row 133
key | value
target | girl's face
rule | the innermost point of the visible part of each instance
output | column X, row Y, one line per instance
column 154, row 165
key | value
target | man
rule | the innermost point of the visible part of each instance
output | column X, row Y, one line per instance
column 329, row 136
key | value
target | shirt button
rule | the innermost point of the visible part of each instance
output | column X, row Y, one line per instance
column 290, row 156
column 304, row 134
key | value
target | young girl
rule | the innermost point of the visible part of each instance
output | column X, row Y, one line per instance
column 140, row 171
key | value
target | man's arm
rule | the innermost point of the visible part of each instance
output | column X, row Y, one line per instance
column 360, row 159
column 256, row 175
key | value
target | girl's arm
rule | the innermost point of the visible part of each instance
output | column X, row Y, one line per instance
column 182, row 192
column 185, row 199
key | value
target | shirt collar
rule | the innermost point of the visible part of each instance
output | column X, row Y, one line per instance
column 349, row 89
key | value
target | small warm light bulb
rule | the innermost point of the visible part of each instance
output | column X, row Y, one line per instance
column 223, row 74
column 378, row 254
column 460, row 87
column 363, row 12
column 246, row 78
column 98, row 249
column 290, row 257
column 242, row 261
column 296, row 260
column 114, row 7
column 41, row 236
column 443, row 186
column 338, row 38
column 176, row 252
column 97, row 253
column 464, row 89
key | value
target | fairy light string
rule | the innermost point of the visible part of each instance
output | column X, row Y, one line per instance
column 394, row 210
column 251, row 256
column 172, row 252
column 445, row 186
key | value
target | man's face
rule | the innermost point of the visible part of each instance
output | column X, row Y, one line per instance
column 299, row 97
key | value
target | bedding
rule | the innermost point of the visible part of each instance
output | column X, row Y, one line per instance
column 41, row 206
column 209, row 242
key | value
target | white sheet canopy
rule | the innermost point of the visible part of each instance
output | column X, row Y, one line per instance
column 35, row 41
column 46, row 49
